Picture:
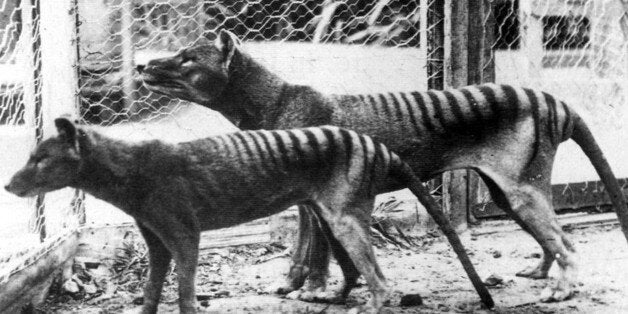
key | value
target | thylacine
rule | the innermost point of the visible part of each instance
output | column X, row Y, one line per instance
column 509, row 135
column 174, row 191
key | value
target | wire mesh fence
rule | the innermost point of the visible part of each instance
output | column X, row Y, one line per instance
column 361, row 46
column 28, row 227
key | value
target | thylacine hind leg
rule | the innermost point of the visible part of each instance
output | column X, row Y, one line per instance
column 529, row 204
column 310, row 257
column 349, row 270
column 159, row 261
column 350, row 227
column 318, row 293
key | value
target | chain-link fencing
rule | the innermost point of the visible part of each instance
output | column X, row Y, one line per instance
column 29, row 228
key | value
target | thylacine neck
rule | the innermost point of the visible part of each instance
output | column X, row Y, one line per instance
column 253, row 93
column 108, row 171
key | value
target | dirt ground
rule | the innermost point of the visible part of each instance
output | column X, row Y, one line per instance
column 236, row 279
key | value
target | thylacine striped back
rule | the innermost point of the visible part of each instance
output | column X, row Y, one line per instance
column 472, row 110
column 269, row 151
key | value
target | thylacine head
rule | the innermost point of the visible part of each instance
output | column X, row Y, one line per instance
column 219, row 75
column 54, row 164
column 198, row 73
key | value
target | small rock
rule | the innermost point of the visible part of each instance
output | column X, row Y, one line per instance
column 90, row 288
column 533, row 255
column 223, row 293
column 493, row 280
column 70, row 286
column 138, row 301
column 497, row 254
column 221, row 252
column 261, row 251
column 411, row 300
column 202, row 297
column 204, row 303
column 90, row 263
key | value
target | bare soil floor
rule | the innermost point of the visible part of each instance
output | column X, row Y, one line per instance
column 237, row 278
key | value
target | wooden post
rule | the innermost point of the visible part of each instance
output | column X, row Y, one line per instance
column 436, row 44
column 468, row 60
column 435, row 53
column 59, row 75
column 531, row 32
column 455, row 194
column 128, row 85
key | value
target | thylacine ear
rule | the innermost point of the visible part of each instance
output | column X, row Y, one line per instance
column 71, row 134
column 66, row 129
column 227, row 43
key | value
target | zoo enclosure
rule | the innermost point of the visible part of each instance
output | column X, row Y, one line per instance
column 78, row 57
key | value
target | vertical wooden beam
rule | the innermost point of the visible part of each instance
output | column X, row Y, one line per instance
column 128, row 84
column 435, row 53
column 59, row 75
column 487, row 20
column 435, row 44
column 457, row 52
column 531, row 49
column 468, row 60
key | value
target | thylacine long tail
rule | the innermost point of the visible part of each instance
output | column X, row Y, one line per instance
column 584, row 138
column 402, row 172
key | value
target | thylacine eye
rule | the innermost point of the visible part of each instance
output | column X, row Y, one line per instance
column 39, row 159
column 187, row 60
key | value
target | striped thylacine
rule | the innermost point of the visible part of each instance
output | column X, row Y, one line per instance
column 508, row 134
column 175, row 191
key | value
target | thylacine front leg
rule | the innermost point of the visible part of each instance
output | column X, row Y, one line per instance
column 159, row 261
column 179, row 231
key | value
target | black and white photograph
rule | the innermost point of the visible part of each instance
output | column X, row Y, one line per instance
column 313, row 156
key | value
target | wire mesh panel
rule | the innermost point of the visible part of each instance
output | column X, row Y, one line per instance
column 578, row 51
column 28, row 226
column 352, row 46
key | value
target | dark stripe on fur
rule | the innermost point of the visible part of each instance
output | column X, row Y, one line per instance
column 424, row 113
column 455, row 108
column 268, row 148
column 411, row 113
column 536, row 116
column 365, row 163
column 238, row 148
column 331, row 143
column 282, row 148
column 438, row 109
column 314, row 144
column 385, row 104
column 348, row 145
column 298, row 147
column 489, row 94
column 259, row 150
column 551, row 116
column 473, row 103
column 512, row 100
column 373, row 104
column 397, row 107
column 567, row 120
